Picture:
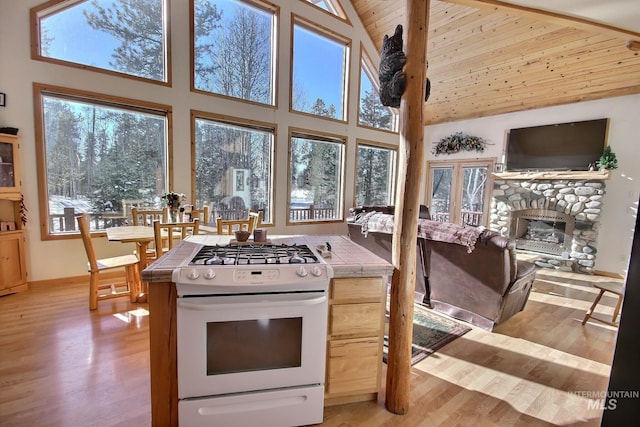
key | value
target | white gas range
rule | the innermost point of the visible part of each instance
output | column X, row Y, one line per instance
column 252, row 325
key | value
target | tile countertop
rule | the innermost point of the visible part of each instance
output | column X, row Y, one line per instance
column 348, row 259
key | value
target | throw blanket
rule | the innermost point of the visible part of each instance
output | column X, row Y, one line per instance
column 427, row 229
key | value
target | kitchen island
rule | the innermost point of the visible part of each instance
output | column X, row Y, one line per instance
column 355, row 331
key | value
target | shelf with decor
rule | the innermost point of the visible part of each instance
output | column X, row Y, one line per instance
column 13, row 272
column 532, row 175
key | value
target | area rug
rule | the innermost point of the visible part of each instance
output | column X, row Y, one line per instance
column 431, row 331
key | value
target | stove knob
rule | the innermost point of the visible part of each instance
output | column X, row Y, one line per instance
column 193, row 274
column 210, row 274
column 301, row 271
column 316, row 271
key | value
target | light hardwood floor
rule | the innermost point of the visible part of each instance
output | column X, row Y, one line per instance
column 62, row 365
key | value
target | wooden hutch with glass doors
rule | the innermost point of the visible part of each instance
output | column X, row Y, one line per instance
column 13, row 271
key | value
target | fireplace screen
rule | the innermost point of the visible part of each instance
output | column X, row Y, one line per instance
column 543, row 231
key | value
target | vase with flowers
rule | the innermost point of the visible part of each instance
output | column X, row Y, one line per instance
column 173, row 201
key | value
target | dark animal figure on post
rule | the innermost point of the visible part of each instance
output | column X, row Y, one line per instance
column 391, row 76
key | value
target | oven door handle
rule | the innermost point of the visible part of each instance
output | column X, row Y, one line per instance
column 262, row 303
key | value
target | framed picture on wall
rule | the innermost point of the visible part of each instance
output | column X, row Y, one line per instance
column 3, row 99
column 498, row 167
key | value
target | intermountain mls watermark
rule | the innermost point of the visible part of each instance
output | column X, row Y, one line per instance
column 606, row 400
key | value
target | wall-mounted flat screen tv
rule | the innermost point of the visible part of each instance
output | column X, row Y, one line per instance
column 565, row 146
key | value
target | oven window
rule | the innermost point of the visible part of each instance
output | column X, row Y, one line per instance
column 253, row 345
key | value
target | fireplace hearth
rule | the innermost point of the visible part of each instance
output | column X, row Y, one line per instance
column 555, row 219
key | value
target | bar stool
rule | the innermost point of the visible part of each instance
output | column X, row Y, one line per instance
column 613, row 287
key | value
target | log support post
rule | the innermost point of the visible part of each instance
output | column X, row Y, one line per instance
column 410, row 171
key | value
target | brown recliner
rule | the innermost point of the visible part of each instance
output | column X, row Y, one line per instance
column 484, row 287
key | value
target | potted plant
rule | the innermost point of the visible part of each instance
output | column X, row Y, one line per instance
column 608, row 159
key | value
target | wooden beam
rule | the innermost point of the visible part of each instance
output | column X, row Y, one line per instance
column 411, row 162
column 548, row 16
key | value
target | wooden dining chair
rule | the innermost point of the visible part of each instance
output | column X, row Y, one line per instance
column 147, row 216
column 100, row 289
column 202, row 214
column 229, row 226
column 166, row 235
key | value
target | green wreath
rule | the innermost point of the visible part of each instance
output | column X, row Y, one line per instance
column 459, row 141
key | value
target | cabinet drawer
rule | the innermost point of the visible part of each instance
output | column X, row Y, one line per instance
column 353, row 366
column 357, row 289
column 355, row 320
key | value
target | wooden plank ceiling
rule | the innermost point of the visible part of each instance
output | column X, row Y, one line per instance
column 489, row 61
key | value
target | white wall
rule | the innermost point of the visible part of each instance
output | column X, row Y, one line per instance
column 623, row 189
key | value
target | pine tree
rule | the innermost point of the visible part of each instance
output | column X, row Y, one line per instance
column 138, row 26
column 373, row 113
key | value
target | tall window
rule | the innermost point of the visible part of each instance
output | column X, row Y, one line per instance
column 315, row 171
column 234, row 166
column 120, row 36
column 371, row 112
column 376, row 174
column 234, row 49
column 320, row 64
column 99, row 157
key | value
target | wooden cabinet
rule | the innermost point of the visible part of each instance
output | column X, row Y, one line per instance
column 9, row 167
column 13, row 272
column 355, row 339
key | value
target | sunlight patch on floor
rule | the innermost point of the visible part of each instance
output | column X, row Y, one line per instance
column 529, row 396
column 518, row 347
column 559, row 300
column 132, row 315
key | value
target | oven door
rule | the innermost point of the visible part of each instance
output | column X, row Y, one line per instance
column 237, row 343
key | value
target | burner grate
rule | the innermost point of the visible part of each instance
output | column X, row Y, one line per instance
column 254, row 254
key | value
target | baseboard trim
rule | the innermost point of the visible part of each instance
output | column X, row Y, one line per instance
column 74, row 279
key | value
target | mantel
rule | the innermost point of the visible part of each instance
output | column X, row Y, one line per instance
column 567, row 175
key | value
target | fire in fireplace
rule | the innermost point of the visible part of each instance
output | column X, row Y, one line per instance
column 541, row 230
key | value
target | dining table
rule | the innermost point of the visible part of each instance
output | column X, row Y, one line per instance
column 142, row 236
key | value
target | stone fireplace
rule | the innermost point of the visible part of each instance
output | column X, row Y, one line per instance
column 555, row 216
